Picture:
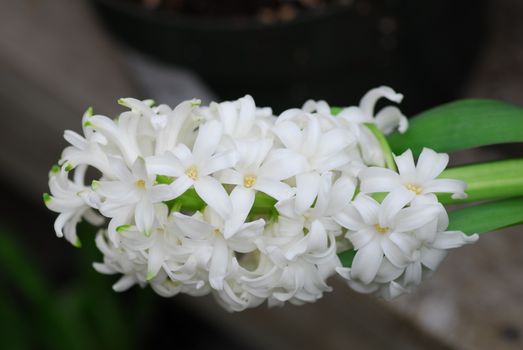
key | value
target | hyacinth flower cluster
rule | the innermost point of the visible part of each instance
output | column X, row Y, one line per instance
column 232, row 200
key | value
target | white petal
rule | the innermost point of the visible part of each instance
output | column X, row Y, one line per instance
column 282, row 164
column 367, row 262
column 341, row 194
column 387, row 272
column 317, row 237
column 413, row 274
column 350, row 218
column 213, row 193
column 144, row 216
column 405, row 163
column 246, row 115
column 368, row 208
column 307, row 188
column 412, row 218
column 242, row 200
column 393, row 253
column 60, row 222
column 176, row 188
column 166, row 164
column 103, row 269
column 289, row 134
column 161, row 193
column 393, row 203
column 124, row 283
column 453, row 239
column 231, row 177
column 431, row 164
column 457, row 187
column 219, row 262
column 114, row 189
column 228, row 116
column 390, row 118
column 209, row 135
column 312, row 134
column 376, row 179
column 360, row 238
column 354, row 115
column 333, row 141
column 192, row 227
column 219, row 162
column 432, row 257
column 155, row 261
column 406, row 242
column 368, row 102
column 274, row 188
column 138, row 169
column 370, row 148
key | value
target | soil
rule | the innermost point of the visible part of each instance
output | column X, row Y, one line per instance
column 266, row 11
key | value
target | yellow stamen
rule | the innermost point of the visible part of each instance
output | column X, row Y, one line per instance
column 192, row 172
column 140, row 183
column 217, row 232
column 249, row 181
column 414, row 188
column 380, row 229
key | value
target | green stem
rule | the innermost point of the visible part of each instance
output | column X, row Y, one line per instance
column 384, row 145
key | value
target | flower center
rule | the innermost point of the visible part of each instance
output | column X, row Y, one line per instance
column 249, row 181
column 414, row 188
column 380, row 229
column 217, row 232
column 192, row 172
column 140, row 183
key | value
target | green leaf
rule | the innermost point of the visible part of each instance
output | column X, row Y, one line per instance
column 19, row 270
column 461, row 125
column 487, row 181
column 488, row 216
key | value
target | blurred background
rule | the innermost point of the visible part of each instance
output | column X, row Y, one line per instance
column 59, row 57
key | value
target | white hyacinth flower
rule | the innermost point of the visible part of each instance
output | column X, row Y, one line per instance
column 420, row 179
column 323, row 151
column 388, row 119
column 131, row 196
column 208, row 230
column 230, row 200
column 73, row 200
column 382, row 230
column 195, row 168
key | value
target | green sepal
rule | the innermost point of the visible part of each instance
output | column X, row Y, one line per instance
column 89, row 111
column 123, row 228
column 336, row 110
column 150, row 276
column 55, row 169
column 46, row 197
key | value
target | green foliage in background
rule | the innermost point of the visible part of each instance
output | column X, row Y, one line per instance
column 86, row 315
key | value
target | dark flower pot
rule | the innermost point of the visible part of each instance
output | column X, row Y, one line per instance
column 424, row 49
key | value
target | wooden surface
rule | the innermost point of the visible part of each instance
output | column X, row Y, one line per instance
column 55, row 62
